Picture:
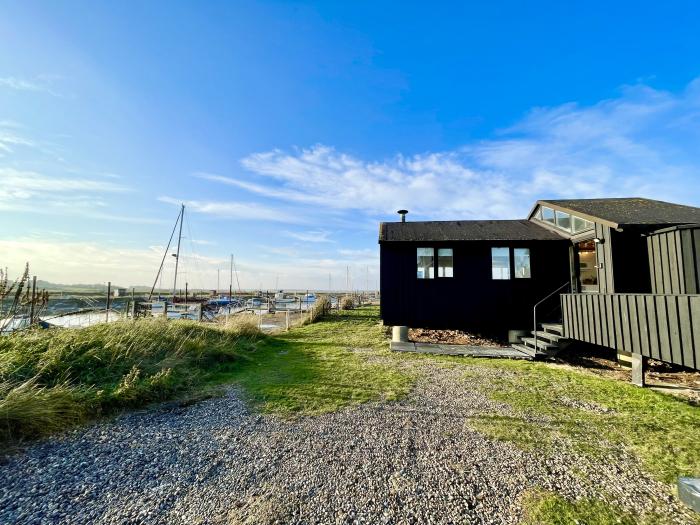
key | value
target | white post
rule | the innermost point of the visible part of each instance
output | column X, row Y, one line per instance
column 638, row 366
column 399, row 334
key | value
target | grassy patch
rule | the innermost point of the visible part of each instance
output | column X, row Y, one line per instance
column 321, row 367
column 52, row 379
column 552, row 402
column 547, row 508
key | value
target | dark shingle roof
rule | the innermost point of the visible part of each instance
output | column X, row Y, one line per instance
column 515, row 230
column 632, row 211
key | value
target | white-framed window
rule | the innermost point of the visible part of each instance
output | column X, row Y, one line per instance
column 547, row 214
column 500, row 263
column 445, row 262
column 521, row 261
column 563, row 220
column 581, row 225
column 425, row 258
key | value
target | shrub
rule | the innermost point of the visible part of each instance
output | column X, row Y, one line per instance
column 347, row 303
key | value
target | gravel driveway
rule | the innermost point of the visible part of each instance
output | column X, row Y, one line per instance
column 414, row 461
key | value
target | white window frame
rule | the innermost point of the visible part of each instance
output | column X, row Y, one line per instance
column 510, row 265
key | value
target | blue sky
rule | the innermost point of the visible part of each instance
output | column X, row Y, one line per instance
column 291, row 129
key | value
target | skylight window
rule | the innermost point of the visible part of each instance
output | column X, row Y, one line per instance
column 547, row 214
column 563, row 220
column 581, row 225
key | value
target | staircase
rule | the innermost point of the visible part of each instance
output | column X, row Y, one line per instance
column 550, row 339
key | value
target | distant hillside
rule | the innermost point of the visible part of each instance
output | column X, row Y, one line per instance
column 75, row 288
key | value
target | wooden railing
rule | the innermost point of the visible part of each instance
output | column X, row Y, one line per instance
column 664, row 327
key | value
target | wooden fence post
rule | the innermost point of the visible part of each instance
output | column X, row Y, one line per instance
column 109, row 300
column 31, row 306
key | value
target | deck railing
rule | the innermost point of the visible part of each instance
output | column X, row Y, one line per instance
column 664, row 327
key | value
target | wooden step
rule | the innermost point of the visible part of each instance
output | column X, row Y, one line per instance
column 553, row 328
column 555, row 338
column 542, row 344
column 526, row 349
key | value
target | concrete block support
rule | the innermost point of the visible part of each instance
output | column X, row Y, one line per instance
column 515, row 335
column 399, row 334
column 639, row 365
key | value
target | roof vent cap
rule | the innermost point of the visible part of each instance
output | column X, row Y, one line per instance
column 403, row 214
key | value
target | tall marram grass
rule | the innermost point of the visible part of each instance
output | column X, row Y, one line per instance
column 319, row 310
column 52, row 379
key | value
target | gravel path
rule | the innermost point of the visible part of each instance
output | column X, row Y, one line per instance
column 415, row 461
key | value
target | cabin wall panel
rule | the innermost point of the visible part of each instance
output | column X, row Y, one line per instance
column 665, row 265
column 689, row 277
column 634, row 323
column 661, row 326
column 674, row 329
column 674, row 277
column 655, row 249
column 617, row 312
column 686, row 331
column 696, row 257
column 653, row 325
column 694, row 307
column 675, row 266
column 471, row 300
column 604, row 258
column 642, row 324
column 611, row 321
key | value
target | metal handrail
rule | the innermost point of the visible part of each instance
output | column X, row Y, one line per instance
column 534, row 310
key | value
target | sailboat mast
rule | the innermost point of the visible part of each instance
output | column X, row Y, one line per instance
column 238, row 283
column 177, row 255
column 230, row 281
column 165, row 254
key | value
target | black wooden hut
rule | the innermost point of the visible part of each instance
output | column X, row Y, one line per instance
column 622, row 273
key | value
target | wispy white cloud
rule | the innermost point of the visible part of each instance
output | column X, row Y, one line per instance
column 36, row 193
column 238, row 210
column 41, row 84
column 315, row 236
column 642, row 143
column 11, row 137
column 23, row 184
column 203, row 242
column 265, row 191
column 364, row 254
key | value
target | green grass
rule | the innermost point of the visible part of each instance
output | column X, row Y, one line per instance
column 662, row 430
column 313, row 368
column 53, row 379
column 50, row 380
column 547, row 508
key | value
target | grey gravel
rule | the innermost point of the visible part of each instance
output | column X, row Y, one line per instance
column 413, row 461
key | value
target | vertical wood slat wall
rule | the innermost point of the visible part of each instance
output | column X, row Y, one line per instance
column 606, row 279
column 661, row 326
column 674, row 261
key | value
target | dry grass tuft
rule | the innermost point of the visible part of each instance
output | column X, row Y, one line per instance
column 243, row 325
column 347, row 303
column 319, row 310
column 30, row 410
column 52, row 379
